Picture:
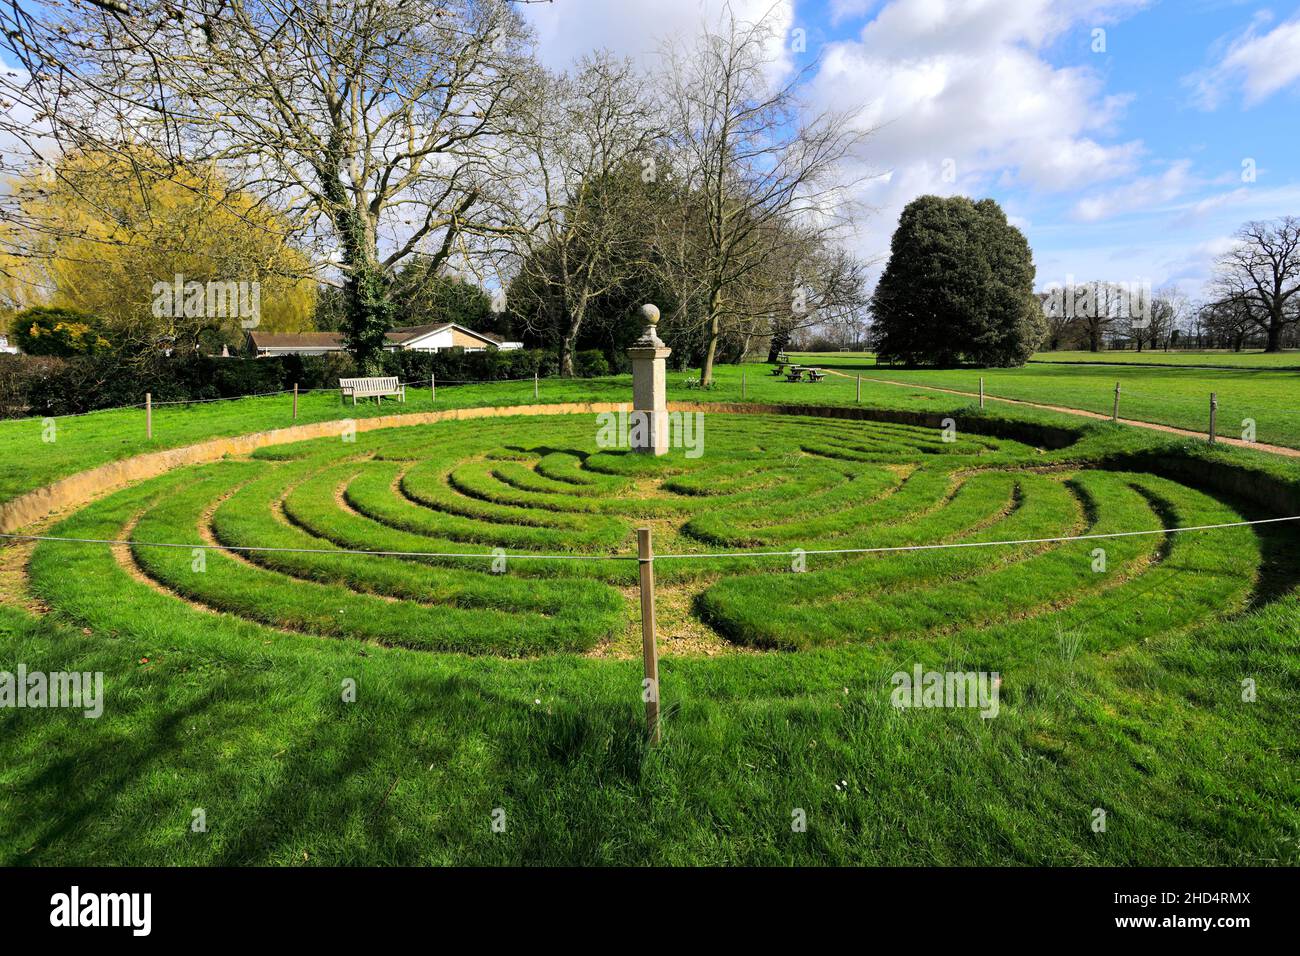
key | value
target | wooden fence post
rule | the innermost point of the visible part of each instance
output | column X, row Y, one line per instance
column 148, row 415
column 859, row 396
column 742, row 386
column 1114, row 415
column 649, row 649
column 981, row 391
column 433, row 387
column 534, row 383
column 1214, row 415
column 295, row 400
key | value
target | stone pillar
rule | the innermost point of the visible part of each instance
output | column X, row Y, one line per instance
column 649, row 388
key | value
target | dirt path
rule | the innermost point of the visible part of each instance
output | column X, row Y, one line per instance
column 1169, row 429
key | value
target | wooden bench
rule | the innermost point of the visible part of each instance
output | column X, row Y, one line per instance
column 815, row 375
column 795, row 375
column 780, row 369
column 371, row 387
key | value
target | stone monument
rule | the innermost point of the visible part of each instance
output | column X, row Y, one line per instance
column 649, row 387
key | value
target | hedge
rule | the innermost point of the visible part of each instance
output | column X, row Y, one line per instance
column 32, row 385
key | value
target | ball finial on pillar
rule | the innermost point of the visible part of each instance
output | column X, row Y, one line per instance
column 649, row 386
column 650, row 334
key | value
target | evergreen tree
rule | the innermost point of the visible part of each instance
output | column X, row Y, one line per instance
column 958, row 288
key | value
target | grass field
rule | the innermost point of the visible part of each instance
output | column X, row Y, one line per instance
column 1207, row 358
column 1166, row 396
column 29, row 461
column 519, row 693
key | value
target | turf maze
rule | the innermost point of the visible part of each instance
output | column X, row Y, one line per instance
column 540, row 487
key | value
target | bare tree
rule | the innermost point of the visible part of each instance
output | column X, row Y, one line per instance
column 1228, row 322
column 1150, row 323
column 831, row 297
column 750, row 159
column 587, row 139
column 1233, row 312
column 1168, row 308
column 1264, row 270
column 1059, row 325
column 1097, row 308
column 368, row 124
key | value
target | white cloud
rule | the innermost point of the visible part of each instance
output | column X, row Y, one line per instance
column 960, row 87
column 943, row 79
column 1197, row 211
column 1138, row 194
column 842, row 10
column 636, row 28
column 1256, row 64
column 928, row 27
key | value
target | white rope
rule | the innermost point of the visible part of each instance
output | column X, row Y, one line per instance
column 658, row 557
column 283, row 391
column 471, row 381
column 205, row 401
column 980, row 544
column 355, row 551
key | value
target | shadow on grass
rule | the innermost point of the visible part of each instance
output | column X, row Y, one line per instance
column 289, row 773
column 72, row 790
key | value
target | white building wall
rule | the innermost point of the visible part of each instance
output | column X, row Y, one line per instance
column 433, row 342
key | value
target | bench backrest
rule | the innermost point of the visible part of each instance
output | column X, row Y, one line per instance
column 368, row 386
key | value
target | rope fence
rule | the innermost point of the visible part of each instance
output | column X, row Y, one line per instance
column 645, row 558
column 1169, row 408
column 1158, row 409
column 150, row 403
column 685, row 556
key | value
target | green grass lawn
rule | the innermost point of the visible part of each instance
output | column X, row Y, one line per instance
column 519, row 693
column 1210, row 358
column 1166, row 396
column 28, row 460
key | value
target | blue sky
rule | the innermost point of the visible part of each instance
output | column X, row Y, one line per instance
column 1119, row 164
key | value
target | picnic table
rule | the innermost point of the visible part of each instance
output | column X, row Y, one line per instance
column 780, row 368
column 795, row 374
column 815, row 375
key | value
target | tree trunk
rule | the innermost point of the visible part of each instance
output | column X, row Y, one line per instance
column 715, row 326
column 1274, row 332
column 780, row 339
column 570, row 340
column 368, row 311
column 369, row 316
column 566, row 354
